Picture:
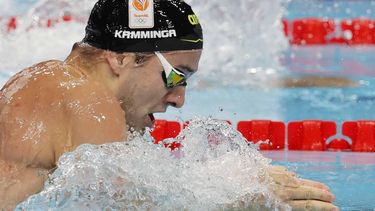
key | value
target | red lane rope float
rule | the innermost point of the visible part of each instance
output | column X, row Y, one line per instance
column 339, row 145
column 361, row 31
column 362, row 134
column 164, row 129
column 11, row 23
column 263, row 130
column 318, row 31
column 53, row 22
column 311, row 31
column 311, row 135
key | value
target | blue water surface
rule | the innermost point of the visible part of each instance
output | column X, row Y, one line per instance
column 334, row 9
column 351, row 176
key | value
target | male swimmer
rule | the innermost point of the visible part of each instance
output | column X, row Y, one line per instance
column 134, row 60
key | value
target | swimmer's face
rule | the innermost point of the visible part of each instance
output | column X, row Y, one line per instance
column 144, row 91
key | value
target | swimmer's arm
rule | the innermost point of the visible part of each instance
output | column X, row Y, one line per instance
column 17, row 182
column 299, row 194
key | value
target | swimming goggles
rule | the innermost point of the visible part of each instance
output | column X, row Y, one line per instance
column 172, row 76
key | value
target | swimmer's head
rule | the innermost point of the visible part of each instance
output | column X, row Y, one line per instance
column 144, row 51
column 143, row 26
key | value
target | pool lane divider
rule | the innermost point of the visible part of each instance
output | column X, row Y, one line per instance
column 9, row 24
column 262, row 130
column 362, row 134
column 304, row 31
column 164, row 129
column 320, row 31
column 306, row 135
column 310, row 134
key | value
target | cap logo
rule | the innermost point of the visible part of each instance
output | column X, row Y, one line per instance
column 141, row 14
column 141, row 5
column 193, row 19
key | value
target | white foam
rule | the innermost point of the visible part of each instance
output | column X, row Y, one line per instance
column 25, row 48
column 214, row 169
column 241, row 38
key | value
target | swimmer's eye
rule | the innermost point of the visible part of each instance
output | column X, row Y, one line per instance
column 172, row 77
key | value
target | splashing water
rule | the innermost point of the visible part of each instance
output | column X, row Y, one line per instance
column 52, row 8
column 241, row 38
column 215, row 169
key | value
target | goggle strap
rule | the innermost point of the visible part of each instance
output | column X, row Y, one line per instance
column 164, row 63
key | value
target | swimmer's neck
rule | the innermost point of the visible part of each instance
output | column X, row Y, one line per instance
column 98, row 70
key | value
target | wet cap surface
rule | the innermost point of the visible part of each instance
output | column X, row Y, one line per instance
column 143, row 26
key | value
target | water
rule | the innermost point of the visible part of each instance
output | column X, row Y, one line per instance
column 244, row 49
column 339, row 9
column 214, row 169
column 349, row 175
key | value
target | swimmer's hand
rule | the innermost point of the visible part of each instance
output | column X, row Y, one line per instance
column 301, row 194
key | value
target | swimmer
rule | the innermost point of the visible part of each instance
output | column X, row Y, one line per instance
column 134, row 61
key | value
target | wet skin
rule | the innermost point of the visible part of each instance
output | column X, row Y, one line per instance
column 53, row 107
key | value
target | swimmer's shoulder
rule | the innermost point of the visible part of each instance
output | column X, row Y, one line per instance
column 28, row 101
column 102, row 120
column 34, row 71
column 51, row 75
column 44, row 66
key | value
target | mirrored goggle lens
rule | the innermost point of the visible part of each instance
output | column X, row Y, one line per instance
column 174, row 79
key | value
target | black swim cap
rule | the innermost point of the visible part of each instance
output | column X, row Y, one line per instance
column 143, row 26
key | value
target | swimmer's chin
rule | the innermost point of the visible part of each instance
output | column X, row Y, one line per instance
column 148, row 122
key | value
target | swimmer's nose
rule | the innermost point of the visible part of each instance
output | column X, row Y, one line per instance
column 176, row 97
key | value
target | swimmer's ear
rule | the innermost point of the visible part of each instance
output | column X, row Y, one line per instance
column 118, row 62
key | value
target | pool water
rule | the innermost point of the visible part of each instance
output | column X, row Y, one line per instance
column 351, row 176
column 337, row 9
column 235, row 76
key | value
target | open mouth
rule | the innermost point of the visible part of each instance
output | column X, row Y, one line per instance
column 151, row 120
column 151, row 117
